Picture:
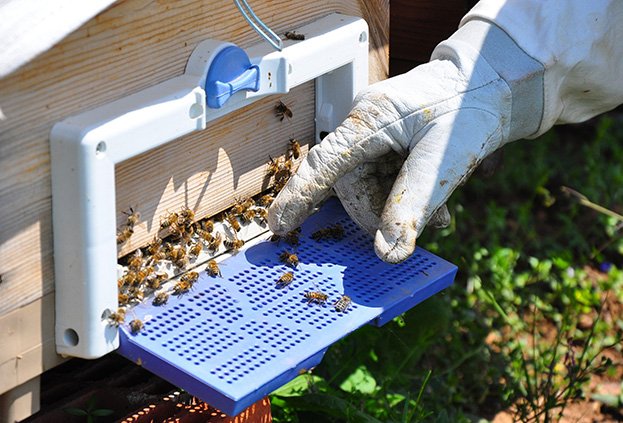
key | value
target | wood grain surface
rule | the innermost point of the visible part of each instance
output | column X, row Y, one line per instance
column 130, row 46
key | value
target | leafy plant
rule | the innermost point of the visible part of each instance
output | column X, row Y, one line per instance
column 91, row 412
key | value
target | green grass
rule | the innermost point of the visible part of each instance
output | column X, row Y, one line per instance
column 512, row 333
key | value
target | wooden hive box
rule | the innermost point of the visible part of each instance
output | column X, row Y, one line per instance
column 130, row 46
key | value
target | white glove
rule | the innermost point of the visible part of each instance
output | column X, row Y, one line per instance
column 442, row 119
column 480, row 91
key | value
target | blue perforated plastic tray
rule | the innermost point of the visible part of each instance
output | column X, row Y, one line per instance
column 233, row 340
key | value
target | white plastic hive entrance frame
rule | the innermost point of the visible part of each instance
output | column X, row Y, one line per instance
column 85, row 149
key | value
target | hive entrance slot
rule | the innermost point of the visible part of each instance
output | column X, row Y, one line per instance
column 234, row 339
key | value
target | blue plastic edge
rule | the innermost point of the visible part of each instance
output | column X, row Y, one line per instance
column 232, row 406
column 410, row 302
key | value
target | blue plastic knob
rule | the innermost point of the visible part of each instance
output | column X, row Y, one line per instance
column 230, row 71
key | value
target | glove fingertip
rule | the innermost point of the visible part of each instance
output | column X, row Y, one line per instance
column 276, row 221
column 394, row 249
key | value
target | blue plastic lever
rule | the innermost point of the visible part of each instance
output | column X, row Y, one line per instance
column 230, row 71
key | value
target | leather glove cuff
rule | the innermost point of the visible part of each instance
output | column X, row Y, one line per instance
column 523, row 74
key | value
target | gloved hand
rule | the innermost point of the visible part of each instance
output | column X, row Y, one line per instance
column 513, row 70
column 408, row 142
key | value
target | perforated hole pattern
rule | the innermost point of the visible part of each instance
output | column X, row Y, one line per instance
column 241, row 330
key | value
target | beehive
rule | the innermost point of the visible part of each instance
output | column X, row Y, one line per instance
column 128, row 47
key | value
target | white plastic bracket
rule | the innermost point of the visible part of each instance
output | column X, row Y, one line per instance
column 86, row 147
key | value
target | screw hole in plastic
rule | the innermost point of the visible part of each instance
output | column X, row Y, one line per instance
column 71, row 337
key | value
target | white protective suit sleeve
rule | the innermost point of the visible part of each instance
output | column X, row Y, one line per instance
column 578, row 42
column 512, row 70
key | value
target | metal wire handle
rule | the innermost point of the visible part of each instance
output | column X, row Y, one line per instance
column 259, row 27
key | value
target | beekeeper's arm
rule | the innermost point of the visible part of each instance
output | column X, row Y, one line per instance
column 512, row 70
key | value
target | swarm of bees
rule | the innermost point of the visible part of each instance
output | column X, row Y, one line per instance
column 182, row 240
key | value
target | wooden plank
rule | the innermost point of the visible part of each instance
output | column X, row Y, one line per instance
column 207, row 170
column 130, row 46
column 21, row 402
column 27, row 343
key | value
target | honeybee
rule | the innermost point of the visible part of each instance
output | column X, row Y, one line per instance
column 117, row 317
column 190, row 277
column 279, row 184
column 154, row 246
column 332, row 232
column 342, row 303
column 273, row 167
column 213, row 269
column 248, row 215
column 205, row 235
column 156, row 257
column 195, row 249
column 285, row 170
column 337, row 231
column 317, row 297
column 293, row 35
column 233, row 221
column 215, row 242
column 161, row 298
column 132, row 217
column 295, row 148
column 237, row 209
column 207, row 225
column 241, row 206
column 182, row 287
column 234, row 244
column 285, row 280
column 123, row 299
column 184, row 231
column 128, row 279
column 292, row 237
column 247, row 203
column 136, row 294
column 262, row 214
column 135, row 326
column 181, row 263
column 172, row 218
column 156, row 280
column 289, row 258
column 124, row 235
column 188, row 216
column 176, row 253
column 143, row 273
column 136, row 260
column 266, row 200
column 282, row 111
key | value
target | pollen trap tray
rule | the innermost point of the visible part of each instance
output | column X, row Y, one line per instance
column 234, row 339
